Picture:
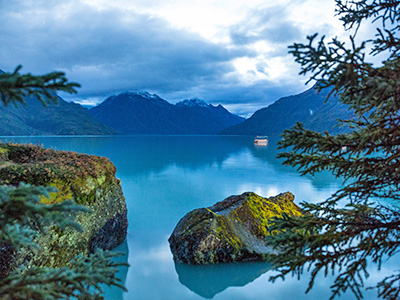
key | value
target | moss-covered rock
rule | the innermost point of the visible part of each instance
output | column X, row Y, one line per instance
column 232, row 230
column 88, row 180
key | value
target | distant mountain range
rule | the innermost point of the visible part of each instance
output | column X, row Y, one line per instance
column 62, row 119
column 307, row 107
column 144, row 113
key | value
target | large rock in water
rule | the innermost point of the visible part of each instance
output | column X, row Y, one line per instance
column 88, row 180
column 232, row 230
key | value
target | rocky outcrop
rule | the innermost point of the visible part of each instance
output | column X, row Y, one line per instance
column 232, row 230
column 88, row 180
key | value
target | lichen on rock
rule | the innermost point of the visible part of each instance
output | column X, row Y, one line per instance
column 88, row 180
column 232, row 230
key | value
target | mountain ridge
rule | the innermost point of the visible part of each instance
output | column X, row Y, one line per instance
column 310, row 107
column 193, row 103
column 63, row 118
column 145, row 113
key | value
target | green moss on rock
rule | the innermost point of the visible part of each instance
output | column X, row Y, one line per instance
column 3, row 156
column 87, row 180
column 231, row 230
column 40, row 166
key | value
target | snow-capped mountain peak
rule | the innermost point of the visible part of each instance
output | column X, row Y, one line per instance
column 143, row 94
column 192, row 103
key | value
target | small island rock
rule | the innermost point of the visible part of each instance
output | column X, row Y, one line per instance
column 232, row 230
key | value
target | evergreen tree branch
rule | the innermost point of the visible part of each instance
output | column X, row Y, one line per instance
column 14, row 86
column 23, row 216
column 82, row 279
column 333, row 238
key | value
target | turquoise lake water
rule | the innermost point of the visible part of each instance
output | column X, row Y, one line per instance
column 163, row 178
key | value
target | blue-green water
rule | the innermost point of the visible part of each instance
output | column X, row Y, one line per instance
column 163, row 178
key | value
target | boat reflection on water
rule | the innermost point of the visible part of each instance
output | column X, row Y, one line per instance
column 261, row 140
column 210, row 280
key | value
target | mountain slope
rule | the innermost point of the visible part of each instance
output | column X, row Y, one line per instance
column 62, row 119
column 203, row 118
column 307, row 107
column 144, row 113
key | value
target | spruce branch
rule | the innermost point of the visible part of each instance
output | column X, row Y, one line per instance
column 352, row 230
column 14, row 86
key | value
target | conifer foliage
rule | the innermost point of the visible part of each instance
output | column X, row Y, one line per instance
column 15, row 86
column 23, row 216
column 355, row 227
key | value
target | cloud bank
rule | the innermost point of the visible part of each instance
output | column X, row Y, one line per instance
column 113, row 49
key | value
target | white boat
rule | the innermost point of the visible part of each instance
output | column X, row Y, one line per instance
column 261, row 140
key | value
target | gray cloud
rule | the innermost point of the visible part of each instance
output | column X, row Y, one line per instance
column 114, row 49
column 238, row 98
column 266, row 24
column 110, row 51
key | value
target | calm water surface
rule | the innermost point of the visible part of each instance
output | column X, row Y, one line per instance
column 163, row 178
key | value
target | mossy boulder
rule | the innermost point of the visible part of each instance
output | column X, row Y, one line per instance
column 87, row 180
column 232, row 230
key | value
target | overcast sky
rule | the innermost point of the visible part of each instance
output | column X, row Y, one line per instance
column 225, row 52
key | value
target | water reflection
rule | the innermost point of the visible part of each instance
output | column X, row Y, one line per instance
column 143, row 155
column 114, row 292
column 136, row 155
column 268, row 154
column 210, row 280
column 163, row 178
